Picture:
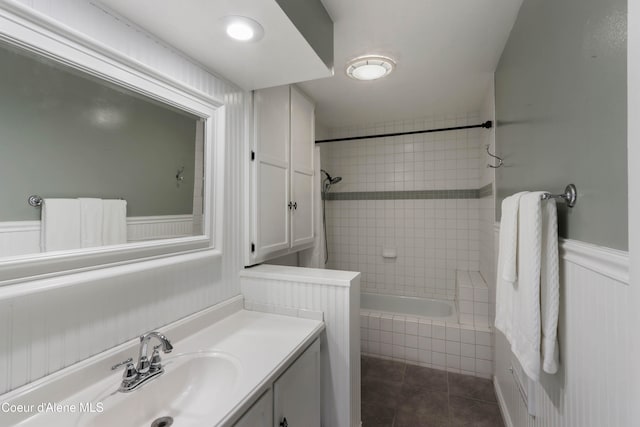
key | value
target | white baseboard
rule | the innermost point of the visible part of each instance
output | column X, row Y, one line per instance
column 502, row 404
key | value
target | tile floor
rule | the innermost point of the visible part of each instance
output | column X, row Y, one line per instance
column 395, row 394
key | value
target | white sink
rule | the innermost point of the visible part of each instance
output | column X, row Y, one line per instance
column 191, row 386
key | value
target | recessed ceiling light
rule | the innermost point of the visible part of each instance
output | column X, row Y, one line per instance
column 370, row 67
column 243, row 29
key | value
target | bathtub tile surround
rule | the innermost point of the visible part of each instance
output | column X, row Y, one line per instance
column 472, row 298
column 402, row 188
column 422, row 341
column 457, row 342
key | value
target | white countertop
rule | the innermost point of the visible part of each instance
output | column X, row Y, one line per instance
column 262, row 344
column 300, row 274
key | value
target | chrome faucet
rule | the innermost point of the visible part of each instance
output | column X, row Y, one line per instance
column 134, row 376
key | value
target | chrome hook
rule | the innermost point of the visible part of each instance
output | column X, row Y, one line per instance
column 179, row 176
column 500, row 161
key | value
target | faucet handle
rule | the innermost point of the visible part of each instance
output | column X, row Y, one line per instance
column 130, row 370
column 156, row 360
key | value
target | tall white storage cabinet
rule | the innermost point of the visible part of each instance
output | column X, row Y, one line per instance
column 282, row 173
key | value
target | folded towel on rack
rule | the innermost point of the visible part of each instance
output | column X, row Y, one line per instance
column 549, row 288
column 114, row 222
column 507, row 259
column 90, row 222
column 536, row 292
column 60, row 225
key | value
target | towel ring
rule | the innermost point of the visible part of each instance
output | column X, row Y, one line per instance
column 500, row 161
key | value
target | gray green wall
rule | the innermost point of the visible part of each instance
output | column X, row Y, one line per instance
column 561, row 112
column 63, row 135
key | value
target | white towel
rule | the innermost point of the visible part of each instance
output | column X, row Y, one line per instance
column 507, row 256
column 114, row 222
column 90, row 222
column 60, row 225
column 549, row 288
column 535, row 302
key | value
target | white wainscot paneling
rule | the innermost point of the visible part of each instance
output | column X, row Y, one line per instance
column 591, row 389
column 23, row 237
column 50, row 324
column 19, row 238
column 337, row 295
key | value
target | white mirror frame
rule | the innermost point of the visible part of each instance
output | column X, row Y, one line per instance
column 27, row 29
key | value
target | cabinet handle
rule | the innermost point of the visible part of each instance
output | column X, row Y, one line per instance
column 290, row 205
column 295, row 205
column 284, row 422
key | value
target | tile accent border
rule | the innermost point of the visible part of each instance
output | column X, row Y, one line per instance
column 486, row 191
column 404, row 195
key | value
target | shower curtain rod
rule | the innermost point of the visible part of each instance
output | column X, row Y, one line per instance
column 487, row 125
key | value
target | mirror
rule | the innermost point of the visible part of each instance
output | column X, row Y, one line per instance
column 66, row 135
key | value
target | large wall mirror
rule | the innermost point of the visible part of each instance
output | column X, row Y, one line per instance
column 99, row 159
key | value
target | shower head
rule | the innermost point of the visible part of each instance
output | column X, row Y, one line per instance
column 332, row 180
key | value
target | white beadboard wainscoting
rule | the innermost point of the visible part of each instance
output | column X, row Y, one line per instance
column 23, row 237
column 337, row 295
column 47, row 325
column 591, row 388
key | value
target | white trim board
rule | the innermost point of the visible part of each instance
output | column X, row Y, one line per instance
column 611, row 263
column 501, row 403
column 23, row 237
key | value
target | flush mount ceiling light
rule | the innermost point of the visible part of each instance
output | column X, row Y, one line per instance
column 370, row 67
column 243, row 29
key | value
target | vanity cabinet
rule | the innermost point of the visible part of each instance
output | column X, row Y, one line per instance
column 296, row 394
column 282, row 193
column 294, row 398
column 260, row 414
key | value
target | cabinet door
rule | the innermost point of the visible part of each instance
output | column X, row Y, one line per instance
column 302, row 182
column 271, row 133
column 260, row 414
column 297, row 391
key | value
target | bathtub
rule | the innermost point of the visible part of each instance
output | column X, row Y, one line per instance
column 412, row 306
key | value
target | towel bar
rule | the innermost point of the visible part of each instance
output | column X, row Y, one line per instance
column 36, row 201
column 570, row 195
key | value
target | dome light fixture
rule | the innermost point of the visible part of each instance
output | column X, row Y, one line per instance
column 370, row 67
column 242, row 29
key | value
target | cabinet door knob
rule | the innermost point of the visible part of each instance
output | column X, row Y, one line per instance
column 295, row 205
column 290, row 205
column 284, row 422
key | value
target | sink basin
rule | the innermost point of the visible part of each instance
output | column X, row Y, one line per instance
column 187, row 392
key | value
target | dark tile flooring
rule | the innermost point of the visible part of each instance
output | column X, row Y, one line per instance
column 395, row 394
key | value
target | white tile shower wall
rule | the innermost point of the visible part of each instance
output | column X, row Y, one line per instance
column 429, row 161
column 422, row 341
column 41, row 333
column 433, row 238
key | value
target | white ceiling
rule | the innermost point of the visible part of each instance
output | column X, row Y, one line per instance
column 446, row 52
column 193, row 26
